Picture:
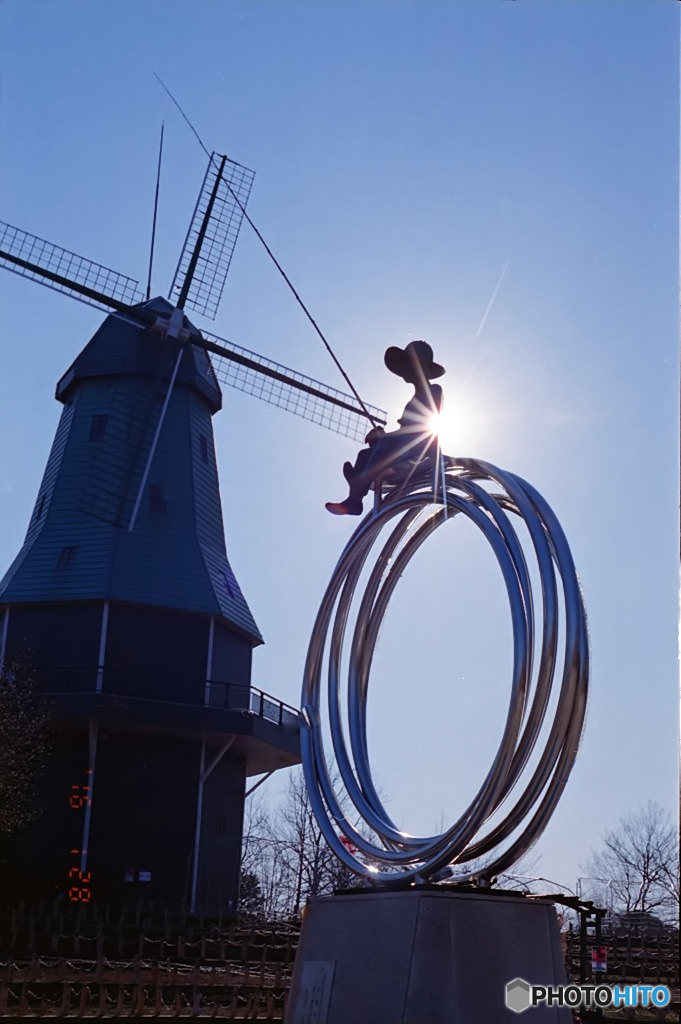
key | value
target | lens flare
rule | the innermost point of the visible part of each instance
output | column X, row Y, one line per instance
column 447, row 428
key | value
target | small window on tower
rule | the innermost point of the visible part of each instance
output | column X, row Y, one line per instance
column 98, row 427
column 203, row 447
column 67, row 557
column 40, row 507
column 157, row 502
column 228, row 584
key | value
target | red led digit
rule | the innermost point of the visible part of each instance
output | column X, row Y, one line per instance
column 80, row 893
column 80, row 796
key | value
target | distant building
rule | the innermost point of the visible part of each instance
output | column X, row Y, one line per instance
column 124, row 601
column 641, row 920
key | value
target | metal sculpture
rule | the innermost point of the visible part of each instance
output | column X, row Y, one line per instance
column 551, row 675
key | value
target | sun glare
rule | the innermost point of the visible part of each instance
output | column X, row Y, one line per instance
column 462, row 426
column 448, row 428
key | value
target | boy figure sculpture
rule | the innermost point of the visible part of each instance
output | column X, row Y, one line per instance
column 414, row 439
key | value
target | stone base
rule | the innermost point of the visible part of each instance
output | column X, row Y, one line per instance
column 423, row 957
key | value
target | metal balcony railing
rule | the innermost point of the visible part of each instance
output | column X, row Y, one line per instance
column 87, row 679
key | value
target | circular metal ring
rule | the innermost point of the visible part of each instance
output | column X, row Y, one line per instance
column 370, row 844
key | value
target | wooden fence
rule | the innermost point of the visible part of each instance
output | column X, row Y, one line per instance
column 141, row 962
column 61, row 988
column 633, row 958
column 93, row 932
column 57, row 961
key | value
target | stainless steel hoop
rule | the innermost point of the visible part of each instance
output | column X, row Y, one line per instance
column 375, row 848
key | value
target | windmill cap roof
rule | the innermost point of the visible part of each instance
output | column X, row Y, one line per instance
column 127, row 346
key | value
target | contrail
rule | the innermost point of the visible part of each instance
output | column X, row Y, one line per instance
column 494, row 295
column 482, row 324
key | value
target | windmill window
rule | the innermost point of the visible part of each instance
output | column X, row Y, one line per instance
column 98, row 427
column 40, row 507
column 203, row 447
column 67, row 557
column 157, row 502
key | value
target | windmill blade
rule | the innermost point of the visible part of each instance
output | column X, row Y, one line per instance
column 279, row 385
column 65, row 271
column 213, row 231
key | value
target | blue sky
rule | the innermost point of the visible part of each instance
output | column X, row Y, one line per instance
column 414, row 161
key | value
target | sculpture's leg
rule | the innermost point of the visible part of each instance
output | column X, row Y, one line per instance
column 370, row 464
column 359, row 478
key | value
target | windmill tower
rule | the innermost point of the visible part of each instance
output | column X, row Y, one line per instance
column 122, row 596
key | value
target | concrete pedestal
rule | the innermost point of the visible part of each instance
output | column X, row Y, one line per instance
column 423, row 957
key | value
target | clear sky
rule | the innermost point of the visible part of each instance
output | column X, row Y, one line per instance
column 414, row 161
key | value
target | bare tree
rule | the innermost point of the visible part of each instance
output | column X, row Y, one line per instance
column 261, row 868
column 23, row 748
column 288, row 854
column 312, row 868
column 637, row 867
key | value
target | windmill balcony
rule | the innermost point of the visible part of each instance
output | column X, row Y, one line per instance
column 266, row 730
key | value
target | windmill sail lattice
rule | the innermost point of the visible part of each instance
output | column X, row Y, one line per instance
column 213, row 232
column 287, row 389
column 65, row 271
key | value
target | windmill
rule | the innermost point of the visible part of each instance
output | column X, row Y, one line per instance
column 122, row 594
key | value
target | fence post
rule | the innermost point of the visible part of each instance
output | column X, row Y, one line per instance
column 23, row 999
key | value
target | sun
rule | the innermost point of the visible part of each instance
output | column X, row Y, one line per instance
column 447, row 426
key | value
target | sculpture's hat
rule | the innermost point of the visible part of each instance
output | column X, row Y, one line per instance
column 405, row 361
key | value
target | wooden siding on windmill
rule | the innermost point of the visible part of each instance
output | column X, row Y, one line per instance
column 176, row 556
column 43, row 500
